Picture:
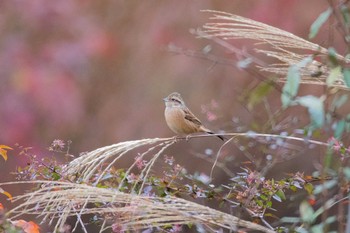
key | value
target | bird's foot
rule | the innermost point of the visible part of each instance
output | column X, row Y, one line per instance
column 176, row 138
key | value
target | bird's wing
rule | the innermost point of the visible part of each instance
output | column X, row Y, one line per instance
column 190, row 117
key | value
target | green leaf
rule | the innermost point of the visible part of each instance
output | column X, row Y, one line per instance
column 291, row 87
column 263, row 197
column 277, row 198
column 319, row 228
column 326, row 205
column 316, row 25
column 269, row 204
column 290, row 219
column 339, row 129
column 281, row 194
column 345, row 13
column 346, row 76
column 339, row 101
column 347, row 124
column 315, row 108
column 329, row 157
column 258, row 93
column 326, row 185
column 333, row 76
column 293, row 188
column 259, row 203
column 309, row 188
column 304, row 62
column 332, row 56
column 306, row 212
column 346, row 172
column 55, row 176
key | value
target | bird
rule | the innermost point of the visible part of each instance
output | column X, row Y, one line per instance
column 180, row 119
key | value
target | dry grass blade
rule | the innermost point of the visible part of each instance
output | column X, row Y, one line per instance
column 286, row 47
column 61, row 200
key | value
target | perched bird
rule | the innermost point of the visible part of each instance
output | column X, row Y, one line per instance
column 180, row 119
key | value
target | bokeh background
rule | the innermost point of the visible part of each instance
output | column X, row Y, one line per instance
column 95, row 72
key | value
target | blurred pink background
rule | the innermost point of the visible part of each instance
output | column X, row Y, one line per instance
column 95, row 72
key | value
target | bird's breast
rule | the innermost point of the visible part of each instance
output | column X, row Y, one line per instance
column 175, row 119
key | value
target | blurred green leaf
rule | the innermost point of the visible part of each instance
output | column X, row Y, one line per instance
column 277, row 198
column 317, row 24
column 290, row 219
column 280, row 194
column 293, row 188
column 346, row 172
column 259, row 203
column 347, row 123
column 263, row 197
column 258, row 93
column 346, row 76
column 306, row 212
column 291, row 87
column 334, row 74
column 328, row 117
column 269, row 204
column 328, row 204
column 309, row 188
column 326, row 185
column 339, row 129
column 345, row 13
column 271, row 215
column 319, row 228
column 329, row 157
column 339, row 101
column 315, row 108
column 304, row 62
column 332, row 56
column 301, row 230
column 55, row 176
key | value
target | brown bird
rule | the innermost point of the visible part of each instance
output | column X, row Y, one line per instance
column 180, row 119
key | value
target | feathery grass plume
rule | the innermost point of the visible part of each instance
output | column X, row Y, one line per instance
column 60, row 200
column 229, row 26
column 88, row 165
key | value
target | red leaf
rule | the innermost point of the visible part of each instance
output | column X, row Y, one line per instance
column 27, row 227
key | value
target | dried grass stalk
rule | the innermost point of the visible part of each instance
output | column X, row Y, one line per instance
column 90, row 164
column 132, row 212
column 286, row 47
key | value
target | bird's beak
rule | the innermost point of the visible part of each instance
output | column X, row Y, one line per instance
column 165, row 99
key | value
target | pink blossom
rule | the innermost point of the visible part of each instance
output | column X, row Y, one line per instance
column 140, row 163
column 211, row 116
column 176, row 228
column 336, row 144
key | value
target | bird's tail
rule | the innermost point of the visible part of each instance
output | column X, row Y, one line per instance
column 219, row 136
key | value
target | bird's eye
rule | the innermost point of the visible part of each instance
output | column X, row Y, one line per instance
column 176, row 100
